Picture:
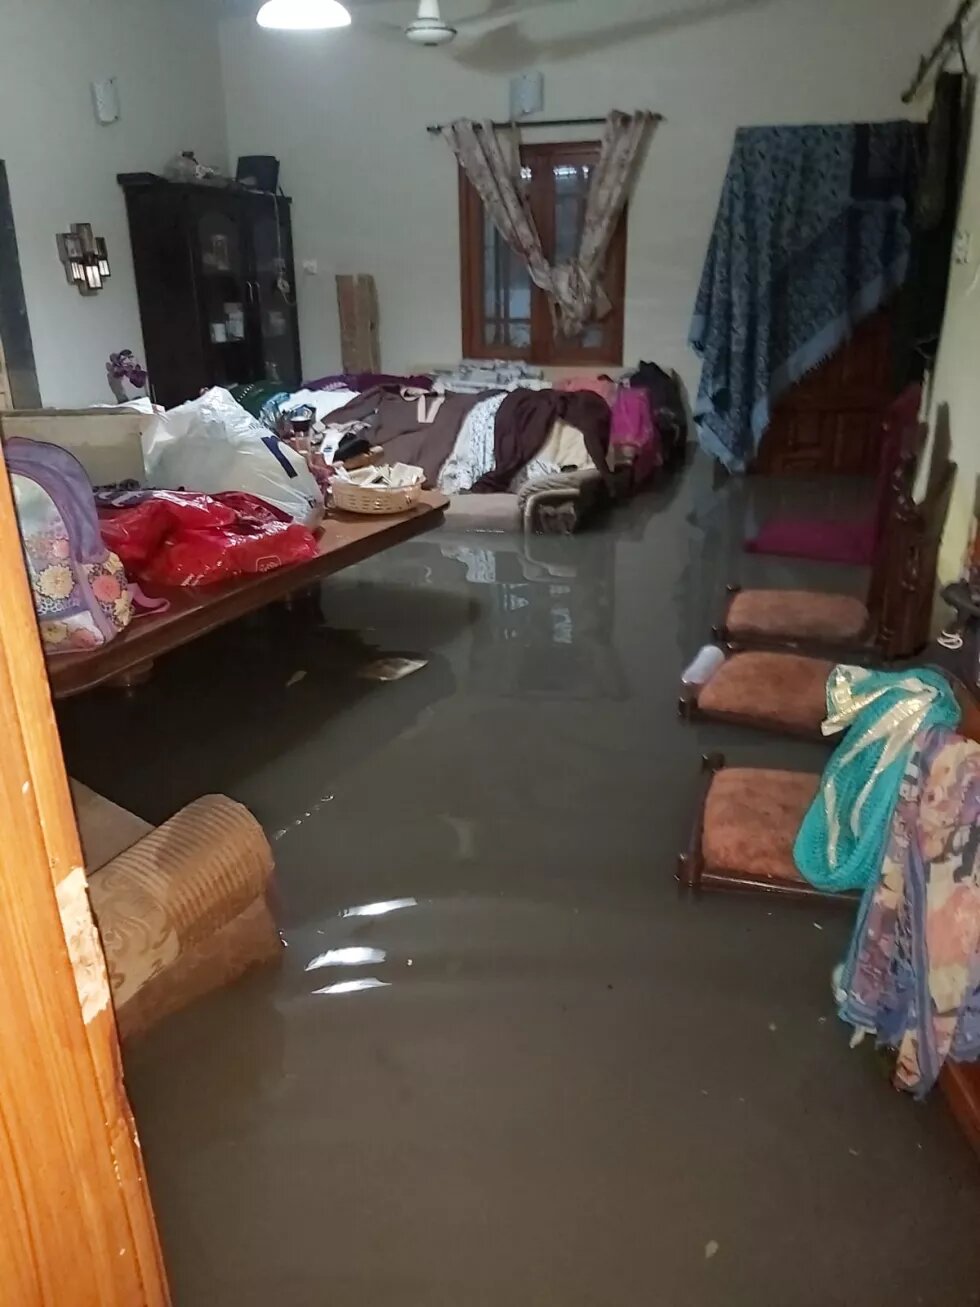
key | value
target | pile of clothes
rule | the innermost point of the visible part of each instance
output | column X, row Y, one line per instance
column 227, row 499
column 490, row 426
column 487, row 438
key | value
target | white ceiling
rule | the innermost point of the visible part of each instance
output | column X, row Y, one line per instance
column 565, row 29
column 466, row 8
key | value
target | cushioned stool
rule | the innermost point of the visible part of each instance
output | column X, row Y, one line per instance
column 745, row 831
column 796, row 615
column 780, row 692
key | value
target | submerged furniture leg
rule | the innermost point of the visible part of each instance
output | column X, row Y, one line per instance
column 690, row 865
column 131, row 680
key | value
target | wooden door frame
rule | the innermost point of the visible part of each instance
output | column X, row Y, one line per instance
column 20, row 383
column 6, row 398
column 76, row 1224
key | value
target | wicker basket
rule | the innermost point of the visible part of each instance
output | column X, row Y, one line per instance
column 373, row 499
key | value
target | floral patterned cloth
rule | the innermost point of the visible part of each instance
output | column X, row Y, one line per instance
column 912, row 976
column 473, row 454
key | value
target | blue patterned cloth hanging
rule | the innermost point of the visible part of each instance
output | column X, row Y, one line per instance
column 811, row 238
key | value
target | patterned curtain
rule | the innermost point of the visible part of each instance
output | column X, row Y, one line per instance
column 496, row 179
column 574, row 289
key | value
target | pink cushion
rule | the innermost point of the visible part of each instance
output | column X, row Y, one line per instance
column 827, row 541
column 772, row 688
column 796, row 613
column 751, row 819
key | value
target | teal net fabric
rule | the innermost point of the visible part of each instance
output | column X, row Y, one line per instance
column 842, row 840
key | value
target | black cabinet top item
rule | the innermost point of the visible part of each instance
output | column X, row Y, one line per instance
column 133, row 181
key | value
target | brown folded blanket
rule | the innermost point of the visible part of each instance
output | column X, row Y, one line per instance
column 523, row 424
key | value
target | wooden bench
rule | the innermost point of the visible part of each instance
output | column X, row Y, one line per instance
column 345, row 539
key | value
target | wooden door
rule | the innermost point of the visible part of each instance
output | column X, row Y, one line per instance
column 19, row 379
column 173, row 334
column 76, row 1225
column 829, row 421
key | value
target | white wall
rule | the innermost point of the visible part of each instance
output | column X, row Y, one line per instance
column 346, row 114
column 62, row 165
column 957, row 377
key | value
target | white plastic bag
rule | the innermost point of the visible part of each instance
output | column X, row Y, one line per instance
column 212, row 444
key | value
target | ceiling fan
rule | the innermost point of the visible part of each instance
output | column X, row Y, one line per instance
column 431, row 29
column 428, row 28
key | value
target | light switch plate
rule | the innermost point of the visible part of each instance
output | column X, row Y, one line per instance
column 963, row 247
column 105, row 98
column 526, row 94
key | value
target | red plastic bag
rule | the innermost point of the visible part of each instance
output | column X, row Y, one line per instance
column 205, row 557
column 174, row 539
column 137, row 534
column 249, row 509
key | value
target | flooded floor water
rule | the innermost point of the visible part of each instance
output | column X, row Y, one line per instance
column 523, row 1070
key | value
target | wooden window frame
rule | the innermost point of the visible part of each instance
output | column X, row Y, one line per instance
column 546, row 349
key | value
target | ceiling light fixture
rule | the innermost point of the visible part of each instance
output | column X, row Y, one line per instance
column 303, row 15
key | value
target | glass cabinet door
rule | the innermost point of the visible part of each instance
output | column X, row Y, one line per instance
column 273, row 292
column 224, row 291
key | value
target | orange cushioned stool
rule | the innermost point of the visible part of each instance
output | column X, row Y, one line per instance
column 781, row 692
column 796, row 615
column 746, row 827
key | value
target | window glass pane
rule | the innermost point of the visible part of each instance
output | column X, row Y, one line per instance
column 571, row 189
column 506, row 293
column 571, row 183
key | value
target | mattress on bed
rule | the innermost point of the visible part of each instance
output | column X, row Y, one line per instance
column 468, row 512
column 558, row 504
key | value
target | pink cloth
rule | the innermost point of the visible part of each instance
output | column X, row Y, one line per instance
column 633, row 427
column 816, row 538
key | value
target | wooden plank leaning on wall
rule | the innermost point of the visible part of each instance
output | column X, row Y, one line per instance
column 76, row 1224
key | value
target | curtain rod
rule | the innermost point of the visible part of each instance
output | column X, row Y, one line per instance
column 434, row 129
column 952, row 36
